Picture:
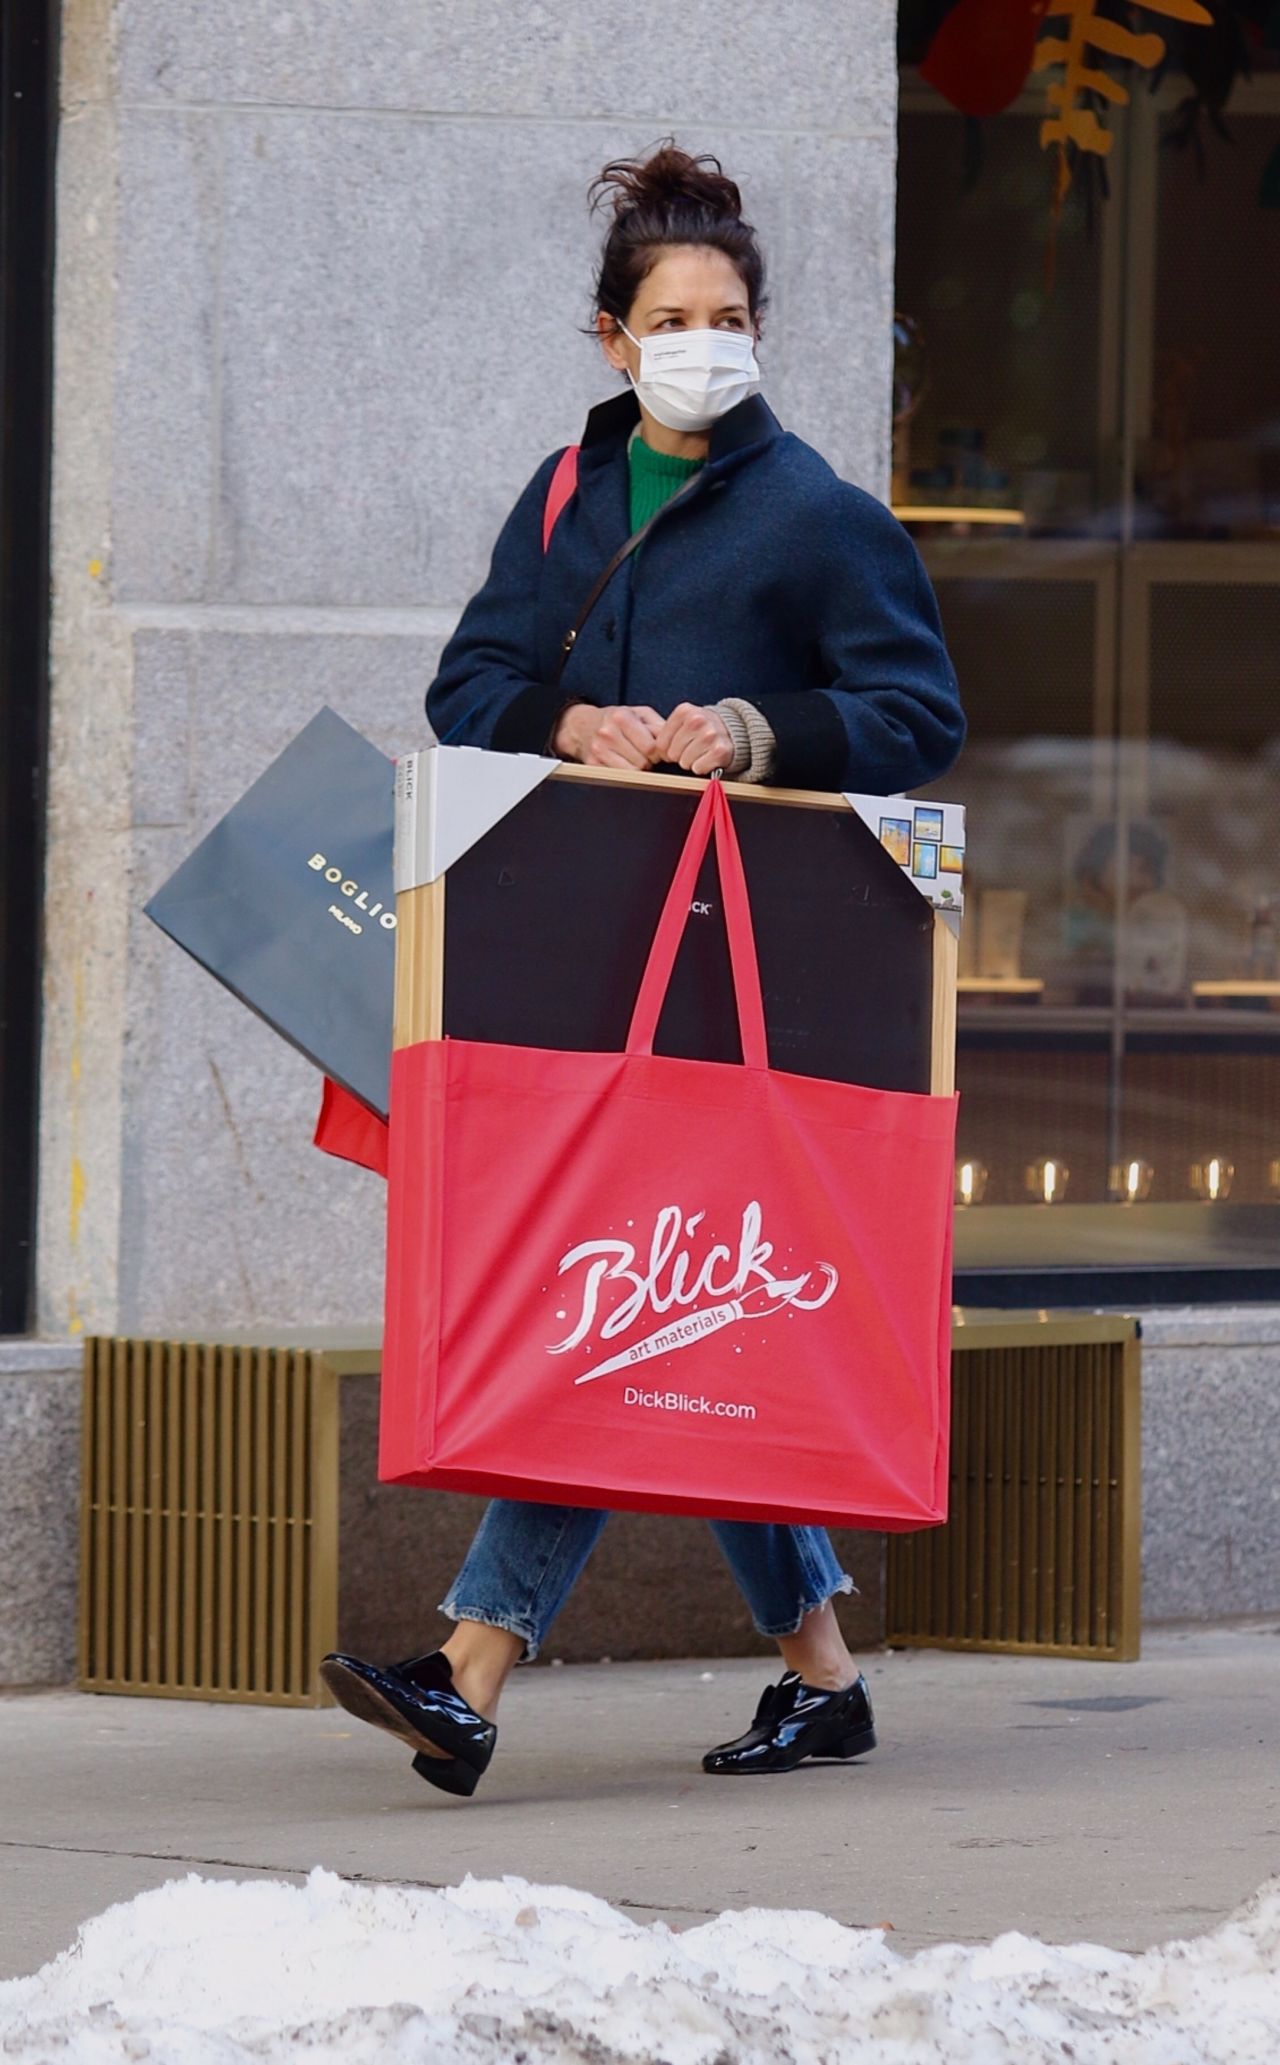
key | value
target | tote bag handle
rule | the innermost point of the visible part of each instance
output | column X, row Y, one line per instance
column 713, row 813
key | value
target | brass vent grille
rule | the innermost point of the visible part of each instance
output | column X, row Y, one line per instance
column 1041, row 1551
column 208, row 1520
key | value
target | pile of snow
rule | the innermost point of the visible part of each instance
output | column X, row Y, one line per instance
column 206, row 1972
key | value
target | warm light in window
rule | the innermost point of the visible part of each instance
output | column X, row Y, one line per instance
column 971, row 1182
column 1047, row 1180
column 1273, row 1177
column 1212, row 1178
column 1131, row 1181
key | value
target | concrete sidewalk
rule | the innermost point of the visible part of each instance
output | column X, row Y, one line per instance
column 1120, row 1803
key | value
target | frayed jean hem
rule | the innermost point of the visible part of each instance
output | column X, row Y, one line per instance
column 509, row 1626
column 792, row 1627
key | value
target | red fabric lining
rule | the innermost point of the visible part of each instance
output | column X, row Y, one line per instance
column 348, row 1129
column 564, row 486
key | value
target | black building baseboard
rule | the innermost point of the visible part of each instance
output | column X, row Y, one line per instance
column 1109, row 1288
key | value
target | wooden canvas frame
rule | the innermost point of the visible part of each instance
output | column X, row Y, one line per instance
column 421, row 917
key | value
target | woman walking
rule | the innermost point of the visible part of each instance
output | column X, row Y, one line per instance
column 692, row 589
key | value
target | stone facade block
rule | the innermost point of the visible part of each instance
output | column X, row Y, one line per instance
column 164, row 456
column 795, row 67
column 233, row 1216
column 163, row 681
column 254, row 691
column 1211, row 1481
column 402, row 343
column 39, row 1512
column 837, row 303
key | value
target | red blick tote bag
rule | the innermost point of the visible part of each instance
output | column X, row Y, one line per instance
column 628, row 1280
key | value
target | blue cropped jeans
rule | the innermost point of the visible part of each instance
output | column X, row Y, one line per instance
column 526, row 1559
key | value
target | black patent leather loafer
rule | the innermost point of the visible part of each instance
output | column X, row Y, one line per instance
column 449, row 1774
column 796, row 1722
column 417, row 1702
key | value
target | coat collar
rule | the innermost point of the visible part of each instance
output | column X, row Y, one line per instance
column 610, row 424
column 603, row 484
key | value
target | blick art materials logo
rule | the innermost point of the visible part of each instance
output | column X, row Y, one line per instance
column 727, row 1286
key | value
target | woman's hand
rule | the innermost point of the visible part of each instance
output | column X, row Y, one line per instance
column 696, row 739
column 622, row 735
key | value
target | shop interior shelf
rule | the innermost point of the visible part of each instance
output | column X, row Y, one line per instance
column 1041, row 1022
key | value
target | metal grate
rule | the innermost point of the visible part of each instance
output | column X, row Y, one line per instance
column 208, row 1520
column 1041, row 1552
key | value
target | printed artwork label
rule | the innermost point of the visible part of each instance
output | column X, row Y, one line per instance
column 725, row 1285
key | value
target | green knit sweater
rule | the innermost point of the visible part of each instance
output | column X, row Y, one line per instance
column 655, row 478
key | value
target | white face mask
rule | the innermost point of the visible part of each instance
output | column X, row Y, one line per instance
column 689, row 378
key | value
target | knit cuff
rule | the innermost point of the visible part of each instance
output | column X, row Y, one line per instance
column 754, row 744
column 739, row 738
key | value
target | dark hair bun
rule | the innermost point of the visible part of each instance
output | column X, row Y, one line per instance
column 669, row 198
column 664, row 180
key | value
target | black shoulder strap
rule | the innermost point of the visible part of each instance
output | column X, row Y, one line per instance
column 602, row 580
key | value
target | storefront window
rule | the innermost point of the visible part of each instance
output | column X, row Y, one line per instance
column 1091, row 467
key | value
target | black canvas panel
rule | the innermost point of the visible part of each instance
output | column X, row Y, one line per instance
column 549, row 919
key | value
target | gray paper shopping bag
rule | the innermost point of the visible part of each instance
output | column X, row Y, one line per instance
column 289, row 902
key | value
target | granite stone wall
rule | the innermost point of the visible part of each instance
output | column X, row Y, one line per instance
column 321, row 278
column 1211, row 1433
column 39, row 1510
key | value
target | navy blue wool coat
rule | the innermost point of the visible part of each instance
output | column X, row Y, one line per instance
column 772, row 580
